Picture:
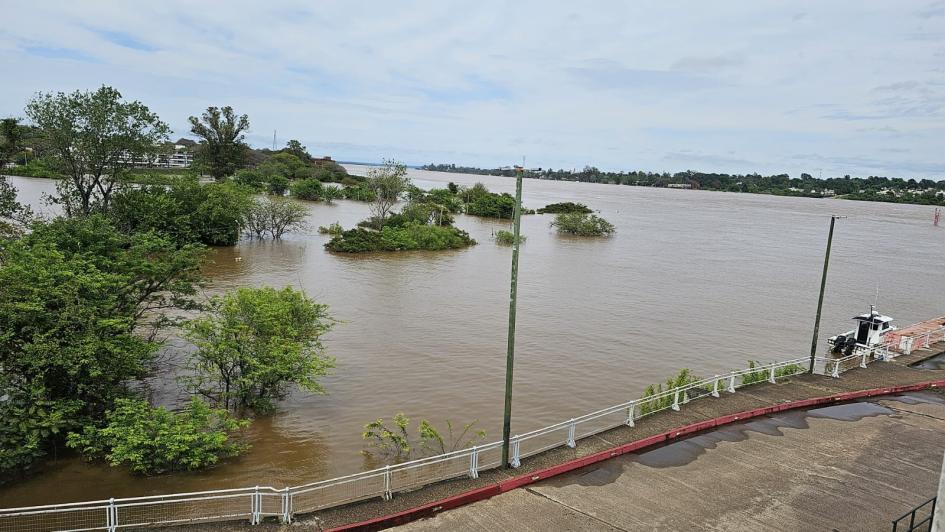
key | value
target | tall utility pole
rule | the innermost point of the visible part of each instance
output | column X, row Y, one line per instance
column 823, row 285
column 510, row 354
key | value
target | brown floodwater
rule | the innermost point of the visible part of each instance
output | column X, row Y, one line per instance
column 704, row 280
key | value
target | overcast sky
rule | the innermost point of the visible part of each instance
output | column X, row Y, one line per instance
column 852, row 87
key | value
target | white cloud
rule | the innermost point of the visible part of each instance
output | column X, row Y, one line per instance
column 744, row 86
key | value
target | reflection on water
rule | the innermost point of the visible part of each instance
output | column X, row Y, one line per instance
column 703, row 280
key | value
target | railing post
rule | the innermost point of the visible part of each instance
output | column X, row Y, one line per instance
column 474, row 463
column 731, row 384
column 254, row 507
column 387, row 492
column 111, row 516
column 571, row 443
column 771, row 375
column 286, row 506
column 928, row 336
column 715, row 387
column 863, row 359
column 631, row 413
column 836, row 369
column 515, row 460
column 676, row 400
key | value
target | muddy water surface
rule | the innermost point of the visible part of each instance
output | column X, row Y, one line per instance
column 693, row 279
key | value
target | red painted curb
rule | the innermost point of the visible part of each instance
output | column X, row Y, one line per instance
column 479, row 494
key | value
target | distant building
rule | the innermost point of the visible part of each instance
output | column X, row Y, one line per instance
column 323, row 161
column 679, row 185
column 181, row 157
column 178, row 156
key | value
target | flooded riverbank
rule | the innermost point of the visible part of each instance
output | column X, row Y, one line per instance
column 691, row 279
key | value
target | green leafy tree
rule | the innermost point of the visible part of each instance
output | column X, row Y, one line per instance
column 492, row 206
column 388, row 183
column 74, row 296
column 185, row 210
column 359, row 192
column 307, row 189
column 256, row 344
column 250, row 178
column 155, row 440
column 13, row 215
column 278, row 185
column 296, row 148
column 290, row 166
column 11, row 140
column 332, row 172
column 94, row 137
column 275, row 216
column 222, row 149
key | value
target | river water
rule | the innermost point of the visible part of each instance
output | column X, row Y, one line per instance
column 704, row 280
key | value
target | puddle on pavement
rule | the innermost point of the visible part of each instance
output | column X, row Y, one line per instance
column 850, row 411
column 685, row 451
column 936, row 362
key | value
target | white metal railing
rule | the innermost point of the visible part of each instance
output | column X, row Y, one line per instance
column 860, row 357
column 259, row 502
column 907, row 344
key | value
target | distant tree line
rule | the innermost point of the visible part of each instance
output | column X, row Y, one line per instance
column 873, row 188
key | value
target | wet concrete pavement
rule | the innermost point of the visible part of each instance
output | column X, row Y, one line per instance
column 846, row 467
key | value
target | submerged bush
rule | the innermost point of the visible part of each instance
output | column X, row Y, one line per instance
column 507, row 238
column 155, row 440
column 582, row 225
column 567, row 206
column 394, row 441
column 334, row 229
column 411, row 236
column 359, row 192
column 307, row 189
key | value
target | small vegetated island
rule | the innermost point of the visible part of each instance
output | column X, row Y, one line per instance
column 576, row 219
column 424, row 222
column 581, row 224
column 565, row 207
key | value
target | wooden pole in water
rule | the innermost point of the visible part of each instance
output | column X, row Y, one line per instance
column 820, row 300
column 510, row 354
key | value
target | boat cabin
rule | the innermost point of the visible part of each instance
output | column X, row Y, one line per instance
column 869, row 332
column 871, row 327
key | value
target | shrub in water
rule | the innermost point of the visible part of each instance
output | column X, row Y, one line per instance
column 507, row 238
column 582, row 225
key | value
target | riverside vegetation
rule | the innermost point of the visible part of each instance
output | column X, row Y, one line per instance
column 85, row 299
column 424, row 223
